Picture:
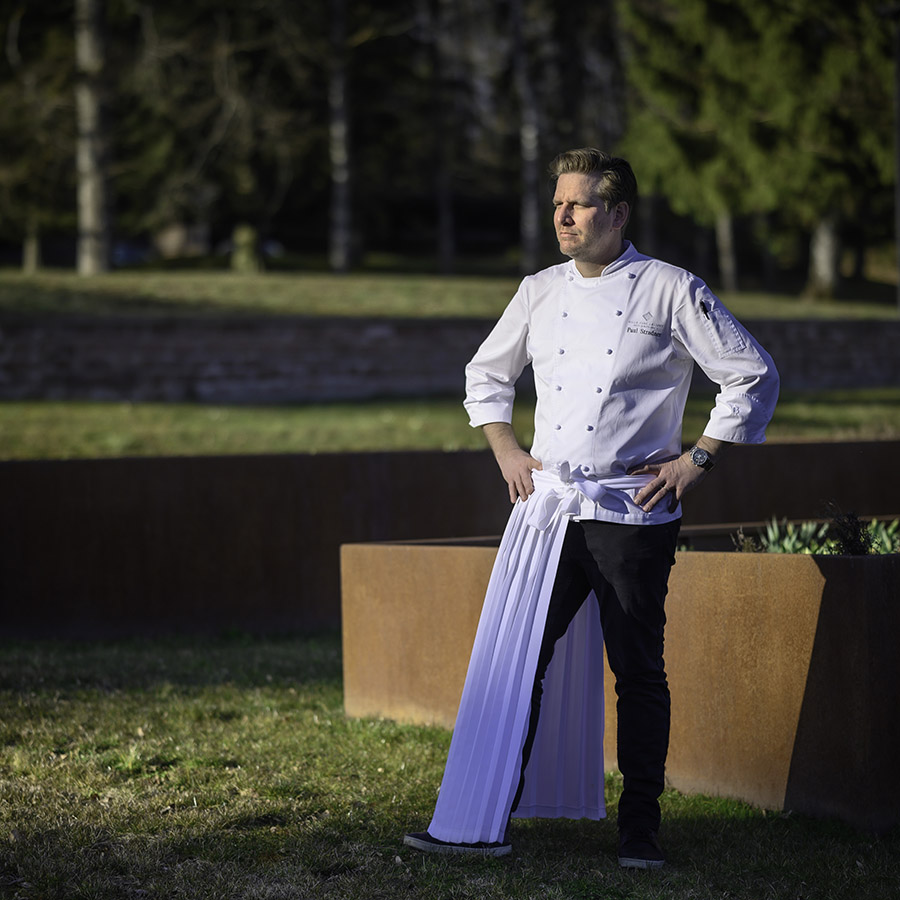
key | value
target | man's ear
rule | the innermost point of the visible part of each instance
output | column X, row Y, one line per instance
column 621, row 214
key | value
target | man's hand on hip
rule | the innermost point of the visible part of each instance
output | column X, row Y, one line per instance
column 675, row 477
column 515, row 464
column 673, row 480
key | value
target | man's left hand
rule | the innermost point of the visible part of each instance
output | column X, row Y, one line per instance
column 673, row 480
column 675, row 477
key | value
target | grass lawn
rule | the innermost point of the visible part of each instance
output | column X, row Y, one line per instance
column 224, row 768
column 43, row 430
column 313, row 293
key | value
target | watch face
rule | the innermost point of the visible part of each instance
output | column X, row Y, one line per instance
column 699, row 457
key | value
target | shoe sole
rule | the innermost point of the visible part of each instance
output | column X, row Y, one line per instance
column 459, row 849
column 628, row 862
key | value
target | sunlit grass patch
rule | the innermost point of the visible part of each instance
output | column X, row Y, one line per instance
column 64, row 430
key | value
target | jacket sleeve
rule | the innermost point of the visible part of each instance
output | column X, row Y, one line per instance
column 730, row 356
column 491, row 375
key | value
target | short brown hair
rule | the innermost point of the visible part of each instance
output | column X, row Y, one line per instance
column 615, row 179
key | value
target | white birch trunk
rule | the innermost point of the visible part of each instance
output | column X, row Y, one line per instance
column 340, row 238
column 93, row 205
column 31, row 246
column 824, row 259
column 443, row 184
column 529, row 147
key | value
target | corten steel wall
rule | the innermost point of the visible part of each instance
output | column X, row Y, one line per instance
column 783, row 669
column 132, row 546
column 104, row 547
column 292, row 359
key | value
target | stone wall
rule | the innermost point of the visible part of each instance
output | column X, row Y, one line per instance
column 299, row 360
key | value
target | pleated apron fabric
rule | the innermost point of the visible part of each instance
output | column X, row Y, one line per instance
column 564, row 777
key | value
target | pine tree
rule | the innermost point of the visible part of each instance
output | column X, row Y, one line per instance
column 760, row 106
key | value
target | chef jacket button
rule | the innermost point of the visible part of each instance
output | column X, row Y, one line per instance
column 589, row 428
column 561, row 351
column 608, row 352
column 565, row 315
column 618, row 312
column 559, row 387
column 585, row 469
column 557, row 427
column 599, row 390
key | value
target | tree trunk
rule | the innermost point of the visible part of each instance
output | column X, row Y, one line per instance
column 93, row 205
column 31, row 246
column 726, row 251
column 340, row 243
column 896, row 16
column 702, row 248
column 446, row 236
column 768, row 266
column 648, row 225
column 443, row 133
column 529, row 141
column 824, row 259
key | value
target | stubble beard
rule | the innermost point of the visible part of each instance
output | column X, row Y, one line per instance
column 571, row 248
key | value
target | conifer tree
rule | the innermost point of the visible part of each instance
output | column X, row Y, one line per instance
column 759, row 106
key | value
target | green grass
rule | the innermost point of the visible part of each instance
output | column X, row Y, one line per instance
column 61, row 430
column 225, row 768
column 216, row 293
column 315, row 293
column 72, row 429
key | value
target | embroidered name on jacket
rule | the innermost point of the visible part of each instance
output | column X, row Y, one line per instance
column 645, row 325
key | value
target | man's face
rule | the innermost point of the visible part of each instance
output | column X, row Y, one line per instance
column 586, row 231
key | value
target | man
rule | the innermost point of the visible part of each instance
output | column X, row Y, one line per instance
column 612, row 337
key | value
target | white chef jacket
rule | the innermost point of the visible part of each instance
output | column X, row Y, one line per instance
column 613, row 358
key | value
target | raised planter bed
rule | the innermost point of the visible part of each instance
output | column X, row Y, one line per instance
column 784, row 670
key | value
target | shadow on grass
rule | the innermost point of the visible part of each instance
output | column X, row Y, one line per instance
column 857, row 289
column 239, row 660
column 68, row 298
column 715, row 850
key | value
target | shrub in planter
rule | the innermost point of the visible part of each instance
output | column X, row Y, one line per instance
column 845, row 535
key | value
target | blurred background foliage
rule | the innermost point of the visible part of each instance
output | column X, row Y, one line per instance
column 416, row 133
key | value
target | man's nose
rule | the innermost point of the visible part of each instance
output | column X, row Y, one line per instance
column 564, row 214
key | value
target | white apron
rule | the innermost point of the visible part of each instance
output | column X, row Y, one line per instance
column 564, row 777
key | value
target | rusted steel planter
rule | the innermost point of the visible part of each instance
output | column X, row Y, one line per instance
column 784, row 670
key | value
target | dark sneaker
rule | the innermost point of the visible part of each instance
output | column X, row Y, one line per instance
column 427, row 844
column 639, row 849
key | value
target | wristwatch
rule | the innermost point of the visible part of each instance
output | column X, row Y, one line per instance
column 701, row 458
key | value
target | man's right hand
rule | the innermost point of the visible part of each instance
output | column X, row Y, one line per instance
column 515, row 464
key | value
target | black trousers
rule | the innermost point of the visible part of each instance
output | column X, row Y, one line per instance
column 627, row 566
